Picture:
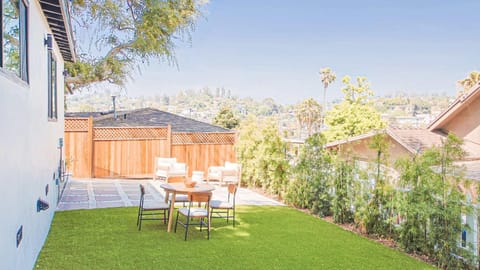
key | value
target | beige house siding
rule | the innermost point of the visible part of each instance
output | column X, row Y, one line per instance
column 466, row 124
column 360, row 149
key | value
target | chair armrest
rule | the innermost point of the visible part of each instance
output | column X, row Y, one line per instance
column 229, row 172
column 162, row 167
column 215, row 169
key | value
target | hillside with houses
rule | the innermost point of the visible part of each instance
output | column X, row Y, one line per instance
column 399, row 110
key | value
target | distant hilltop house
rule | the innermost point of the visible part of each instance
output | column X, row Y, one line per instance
column 125, row 143
column 461, row 118
column 36, row 41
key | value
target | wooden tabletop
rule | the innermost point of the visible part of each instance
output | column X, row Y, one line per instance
column 181, row 188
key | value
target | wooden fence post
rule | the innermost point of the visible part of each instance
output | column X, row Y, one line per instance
column 169, row 140
column 90, row 147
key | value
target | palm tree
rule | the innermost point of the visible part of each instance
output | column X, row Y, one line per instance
column 470, row 81
column 308, row 113
column 327, row 77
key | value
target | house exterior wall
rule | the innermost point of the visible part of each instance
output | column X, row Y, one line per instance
column 466, row 124
column 29, row 156
column 360, row 149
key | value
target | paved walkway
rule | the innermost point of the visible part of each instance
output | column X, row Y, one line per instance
column 104, row 193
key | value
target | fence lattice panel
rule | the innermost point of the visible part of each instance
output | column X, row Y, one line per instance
column 202, row 138
column 129, row 133
column 76, row 124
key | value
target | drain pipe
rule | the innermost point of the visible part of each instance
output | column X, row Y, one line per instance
column 114, row 108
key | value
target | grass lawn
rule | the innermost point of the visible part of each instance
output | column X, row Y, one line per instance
column 264, row 238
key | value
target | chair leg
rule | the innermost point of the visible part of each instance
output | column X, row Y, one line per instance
column 176, row 222
column 233, row 217
column 228, row 214
column 165, row 215
column 186, row 228
column 201, row 223
column 208, row 228
column 140, row 217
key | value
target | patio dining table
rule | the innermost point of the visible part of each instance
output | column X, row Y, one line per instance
column 180, row 188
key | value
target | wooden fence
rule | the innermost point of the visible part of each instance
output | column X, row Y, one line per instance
column 130, row 151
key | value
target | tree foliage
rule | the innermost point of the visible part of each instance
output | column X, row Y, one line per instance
column 355, row 115
column 344, row 197
column 416, row 200
column 433, row 204
column 380, row 207
column 261, row 151
column 327, row 76
column 468, row 82
column 114, row 37
column 307, row 113
column 225, row 118
column 311, row 184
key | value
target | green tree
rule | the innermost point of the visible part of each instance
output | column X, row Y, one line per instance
column 271, row 158
column 225, row 118
column 311, row 181
column 267, row 107
column 261, row 151
column 126, row 34
column 344, row 191
column 307, row 113
column 327, row 77
column 469, row 81
column 379, row 209
column 448, row 205
column 355, row 115
column 246, row 149
column 416, row 194
column 432, row 205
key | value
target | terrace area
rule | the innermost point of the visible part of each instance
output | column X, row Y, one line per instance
column 106, row 193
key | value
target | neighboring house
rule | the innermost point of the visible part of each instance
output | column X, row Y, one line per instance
column 461, row 118
column 126, row 145
column 36, row 40
column 402, row 143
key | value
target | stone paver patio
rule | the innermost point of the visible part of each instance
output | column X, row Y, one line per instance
column 104, row 193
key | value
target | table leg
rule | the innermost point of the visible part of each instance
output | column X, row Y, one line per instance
column 172, row 208
column 167, row 194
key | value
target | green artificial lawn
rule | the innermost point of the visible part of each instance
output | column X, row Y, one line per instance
column 264, row 238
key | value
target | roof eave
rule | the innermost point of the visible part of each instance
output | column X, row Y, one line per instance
column 454, row 107
column 69, row 31
column 58, row 18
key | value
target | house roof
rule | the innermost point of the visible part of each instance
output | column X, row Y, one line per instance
column 413, row 139
column 416, row 139
column 455, row 108
column 470, row 169
column 85, row 114
column 58, row 17
column 149, row 117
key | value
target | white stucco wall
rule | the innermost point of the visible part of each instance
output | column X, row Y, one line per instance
column 28, row 151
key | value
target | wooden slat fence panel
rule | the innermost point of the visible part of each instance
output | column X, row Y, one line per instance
column 78, row 146
column 130, row 151
column 131, row 158
column 200, row 156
